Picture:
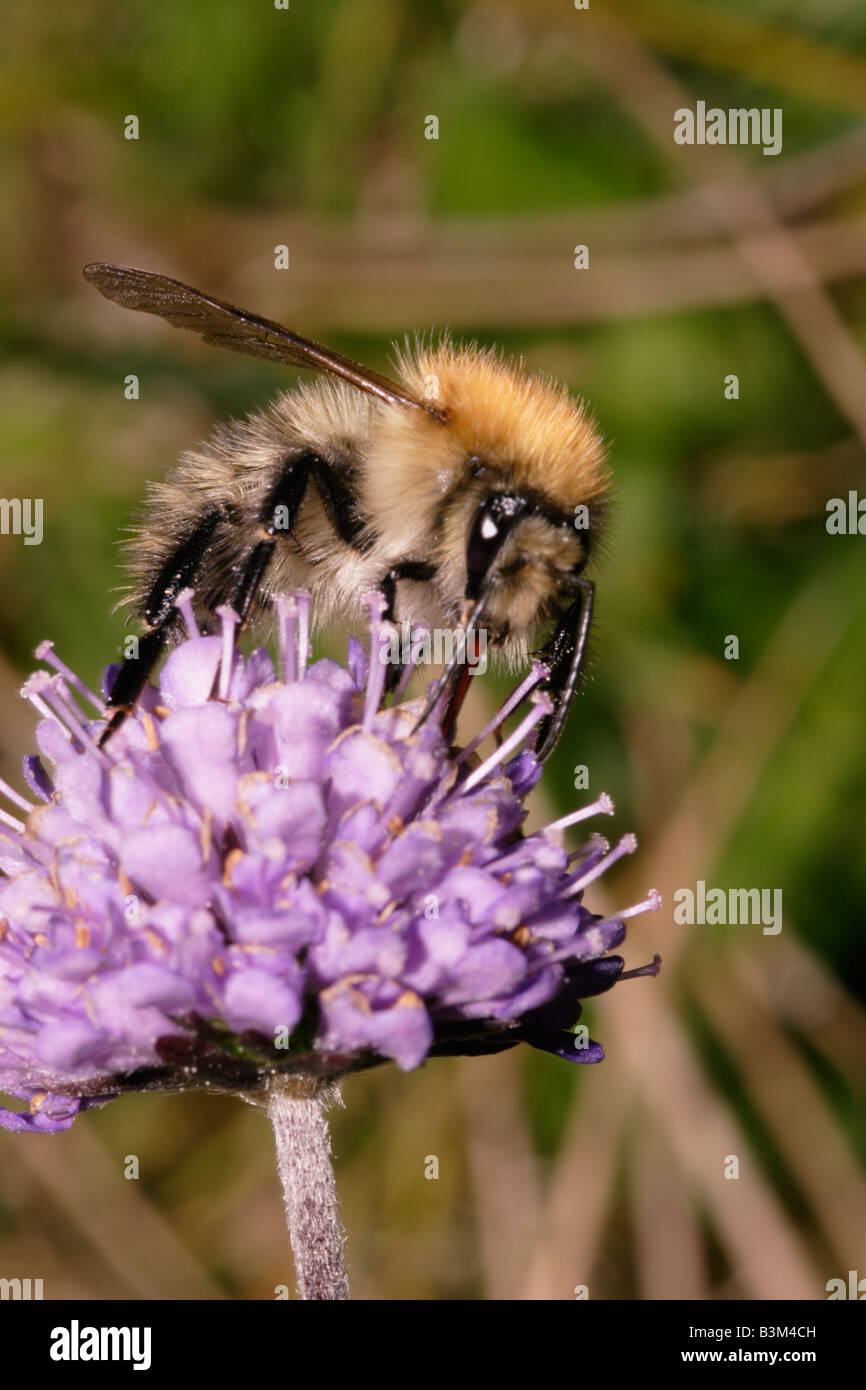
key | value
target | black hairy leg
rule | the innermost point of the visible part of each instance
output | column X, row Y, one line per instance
column 173, row 577
column 177, row 571
column 565, row 654
column 418, row 570
column 131, row 679
column 277, row 515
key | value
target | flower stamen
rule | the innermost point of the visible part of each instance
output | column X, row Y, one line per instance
column 652, row 968
column 66, row 712
column 45, row 652
column 419, row 636
column 303, row 601
column 183, row 604
column 627, row 845
column 377, row 669
column 229, row 620
column 27, row 692
column 542, row 706
column 538, row 673
column 651, row 903
column 287, row 636
column 15, row 797
column 602, row 807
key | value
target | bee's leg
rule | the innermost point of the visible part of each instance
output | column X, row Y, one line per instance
column 340, row 503
column 159, row 612
column 179, row 569
column 565, row 654
column 249, row 576
column 282, row 504
column 131, row 679
column 278, row 513
column 419, row 570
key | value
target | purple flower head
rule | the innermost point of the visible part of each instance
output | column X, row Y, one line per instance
column 272, row 872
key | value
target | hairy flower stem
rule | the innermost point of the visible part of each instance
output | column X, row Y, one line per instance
column 297, row 1108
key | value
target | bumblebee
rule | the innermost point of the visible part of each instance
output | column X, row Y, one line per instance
column 466, row 491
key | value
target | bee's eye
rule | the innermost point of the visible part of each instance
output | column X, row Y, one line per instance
column 493, row 521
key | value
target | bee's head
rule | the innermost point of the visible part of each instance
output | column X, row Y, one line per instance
column 510, row 547
column 501, row 488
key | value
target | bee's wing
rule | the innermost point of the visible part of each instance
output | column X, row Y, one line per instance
column 227, row 326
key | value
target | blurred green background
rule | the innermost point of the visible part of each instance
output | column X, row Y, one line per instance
column 306, row 127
